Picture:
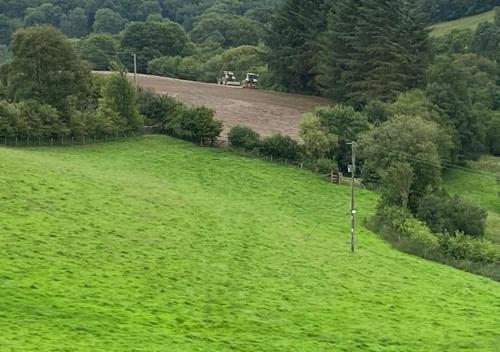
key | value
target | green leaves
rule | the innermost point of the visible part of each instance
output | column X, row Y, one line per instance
column 45, row 67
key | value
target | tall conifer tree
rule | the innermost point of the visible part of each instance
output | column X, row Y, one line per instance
column 373, row 49
column 293, row 42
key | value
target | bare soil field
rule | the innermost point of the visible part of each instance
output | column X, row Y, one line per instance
column 266, row 112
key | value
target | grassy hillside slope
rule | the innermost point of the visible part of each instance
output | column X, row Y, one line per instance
column 482, row 189
column 470, row 22
column 153, row 244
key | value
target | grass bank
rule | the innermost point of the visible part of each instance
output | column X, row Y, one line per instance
column 153, row 244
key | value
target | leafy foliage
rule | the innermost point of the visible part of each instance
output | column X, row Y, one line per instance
column 157, row 109
column 100, row 50
column 293, row 44
column 281, row 147
column 45, row 67
column 244, row 137
column 154, row 39
column 409, row 140
column 119, row 103
column 446, row 214
column 195, row 124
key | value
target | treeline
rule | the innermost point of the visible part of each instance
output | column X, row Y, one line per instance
column 48, row 92
column 365, row 51
column 445, row 10
column 192, row 38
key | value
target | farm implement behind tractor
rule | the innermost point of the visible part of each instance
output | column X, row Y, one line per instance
column 229, row 79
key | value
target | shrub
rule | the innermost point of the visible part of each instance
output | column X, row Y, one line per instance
column 445, row 214
column 12, row 122
column 167, row 66
column 44, row 120
column 195, row 124
column 157, row 109
column 462, row 247
column 244, row 137
column 280, row 146
column 326, row 165
column 406, row 233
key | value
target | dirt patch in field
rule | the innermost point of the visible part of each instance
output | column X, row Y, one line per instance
column 266, row 112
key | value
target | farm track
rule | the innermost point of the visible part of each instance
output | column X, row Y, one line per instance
column 264, row 111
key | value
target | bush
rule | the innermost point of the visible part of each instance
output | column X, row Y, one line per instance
column 244, row 137
column 397, row 226
column 280, row 146
column 195, row 124
column 326, row 165
column 406, row 233
column 44, row 120
column 157, row 109
column 445, row 214
column 12, row 122
column 118, row 104
column 462, row 247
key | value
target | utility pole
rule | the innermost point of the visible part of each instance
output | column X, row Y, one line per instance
column 353, row 203
column 135, row 71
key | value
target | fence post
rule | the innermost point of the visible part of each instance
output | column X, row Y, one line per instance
column 83, row 139
column 16, row 142
column 51, row 141
column 39, row 141
column 72, row 140
column 271, row 157
column 5, row 139
column 302, row 165
column 27, row 141
column 95, row 138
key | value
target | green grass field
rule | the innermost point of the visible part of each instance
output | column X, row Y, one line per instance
column 153, row 244
column 470, row 22
column 481, row 188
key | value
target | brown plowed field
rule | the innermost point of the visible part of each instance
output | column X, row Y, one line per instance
column 264, row 111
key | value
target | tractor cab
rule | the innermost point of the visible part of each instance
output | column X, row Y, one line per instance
column 251, row 80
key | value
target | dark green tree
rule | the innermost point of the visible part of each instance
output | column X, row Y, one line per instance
column 45, row 67
column 412, row 146
column 293, row 40
column 340, row 59
column 108, row 21
column 392, row 44
column 7, row 27
column 154, row 39
column 43, row 14
column 75, row 23
column 100, row 50
column 119, row 102
column 463, row 87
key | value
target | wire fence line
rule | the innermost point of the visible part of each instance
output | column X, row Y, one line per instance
column 64, row 141
column 330, row 174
